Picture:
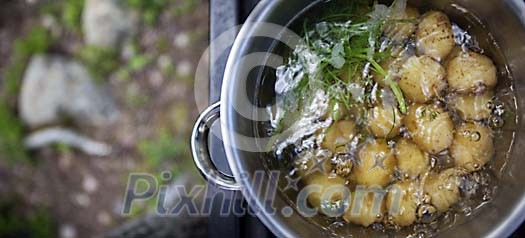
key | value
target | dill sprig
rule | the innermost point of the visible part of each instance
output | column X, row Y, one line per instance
column 347, row 46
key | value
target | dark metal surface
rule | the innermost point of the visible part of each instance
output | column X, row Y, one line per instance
column 225, row 14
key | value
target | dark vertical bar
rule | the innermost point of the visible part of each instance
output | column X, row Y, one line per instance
column 223, row 16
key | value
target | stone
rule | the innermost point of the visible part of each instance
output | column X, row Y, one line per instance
column 105, row 23
column 56, row 88
column 48, row 136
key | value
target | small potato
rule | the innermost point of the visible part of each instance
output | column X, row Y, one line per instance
column 422, row 79
column 325, row 181
column 338, row 135
column 471, row 72
column 443, row 189
column 472, row 107
column 376, row 164
column 384, row 122
column 401, row 203
column 403, row 26
column 473, row 146
column 366, row 208
column 410, row 159
column 434, row 36
column 430, row 127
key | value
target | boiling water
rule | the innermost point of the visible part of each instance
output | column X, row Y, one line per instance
column 477, row 188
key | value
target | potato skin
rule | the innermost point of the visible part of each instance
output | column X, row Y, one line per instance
column 384, row 122
column 430, row 126
column 339, row 134
column 411, row 160
column 473, row 146
column 366, row 215
column 422, row 79
column 472, row 107
column 443, row 189
column 401, row 203
column 400, row 31
column 434, row 36
column 376, row 164
column 471, row 72
column 314, row 198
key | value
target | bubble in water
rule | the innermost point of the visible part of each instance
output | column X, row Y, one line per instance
column 496, row 122
column 427, row 213
column 322, row 28
column 475, row 136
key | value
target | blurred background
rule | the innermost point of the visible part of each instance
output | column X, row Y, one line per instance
column 91, row 91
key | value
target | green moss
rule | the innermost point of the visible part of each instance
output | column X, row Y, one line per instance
column 185, row 8
column 68, row 13
column 150, row 10
column 36, row 41
column 160, row 149
column 139, row 62
column 101, row 62
column 11, row 136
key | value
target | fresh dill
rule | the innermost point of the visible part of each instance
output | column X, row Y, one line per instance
column 345, row 49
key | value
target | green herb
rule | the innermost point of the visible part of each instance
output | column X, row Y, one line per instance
column 429, row 113
column 361, row 41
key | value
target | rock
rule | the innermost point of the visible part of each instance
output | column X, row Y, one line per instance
column 67, row 231
column 49, row 136
column 55, row 87
column 105, row 23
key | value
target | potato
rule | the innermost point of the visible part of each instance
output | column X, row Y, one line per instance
column 422, row 79
column 399, row 31
column 473, row 146
column 443, row 189
column 401, row 203
column 326, row 181
column 338, row 135
column 384, row 122
column 410, row 159
column 472, row 107
column 471, row 72
column 434, row 36
column 364, row 210
column 376, row 164
column 430, row 127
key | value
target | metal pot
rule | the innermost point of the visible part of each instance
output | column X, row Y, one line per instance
column 505, row 19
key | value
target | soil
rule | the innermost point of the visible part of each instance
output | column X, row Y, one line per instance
column 86, row 193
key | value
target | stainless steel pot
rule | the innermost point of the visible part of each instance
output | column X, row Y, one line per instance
column 505, row 19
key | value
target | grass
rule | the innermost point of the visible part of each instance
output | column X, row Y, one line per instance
column 150, row 10
column 36, row 41
column 68, row 13
column 100, row 62
column 164, row 147
column 185, row 8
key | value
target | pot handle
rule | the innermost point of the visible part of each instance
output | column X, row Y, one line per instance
column 201, row 154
